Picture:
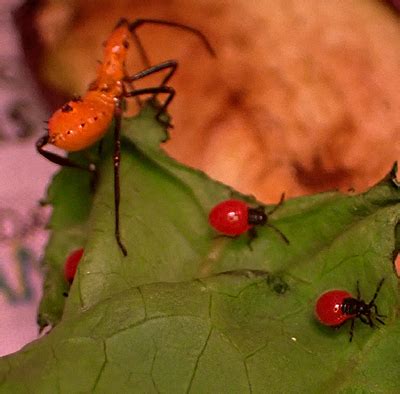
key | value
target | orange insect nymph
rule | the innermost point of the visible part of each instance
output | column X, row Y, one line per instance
column 82, row 122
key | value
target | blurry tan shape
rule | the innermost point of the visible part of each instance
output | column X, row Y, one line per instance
column 304, row 95
column 53, row 21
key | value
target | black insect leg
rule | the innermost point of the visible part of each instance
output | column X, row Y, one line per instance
column 277, row 206
column 358, row 290
column 172, row 65
column 169, row 64
column 282, row 199
column 366, row 319
column 117, row 162
column 252, row 234
column 283, row 236
column 57, row 159
column 351, row 333
column 145, row 61
column 377, row 314
column 160, row 89
column 138, row 43
column 378, row 288
column 139, row 22
column 140, row 49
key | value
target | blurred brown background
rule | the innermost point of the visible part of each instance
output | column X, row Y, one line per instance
column 303, row 97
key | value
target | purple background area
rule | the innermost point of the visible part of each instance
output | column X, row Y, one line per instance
column 23, row 179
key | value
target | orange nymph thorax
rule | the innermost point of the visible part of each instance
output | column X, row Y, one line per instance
column 112, row 70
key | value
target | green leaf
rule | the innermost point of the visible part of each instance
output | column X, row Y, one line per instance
column 70, row 196
column 187, row 311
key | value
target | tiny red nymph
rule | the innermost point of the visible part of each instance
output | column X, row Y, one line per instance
column 235, row 217
column 231, row 217
column 335, row 307
column 71, row 264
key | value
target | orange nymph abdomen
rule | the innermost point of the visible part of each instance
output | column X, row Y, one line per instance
column 80, row 123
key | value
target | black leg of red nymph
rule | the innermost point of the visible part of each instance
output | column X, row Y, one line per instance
column 252, row 235
column 57, row 159
column 277, row 206
column 380, row 320
column 378, row 288
column 260, row 210
column 373, row 305
column 358, row 290
column 117, row 162
column 279, row 232
column 351, row 329
column 377, row 314
column 366, row 319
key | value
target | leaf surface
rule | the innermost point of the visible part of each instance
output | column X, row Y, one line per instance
column 187, row 311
